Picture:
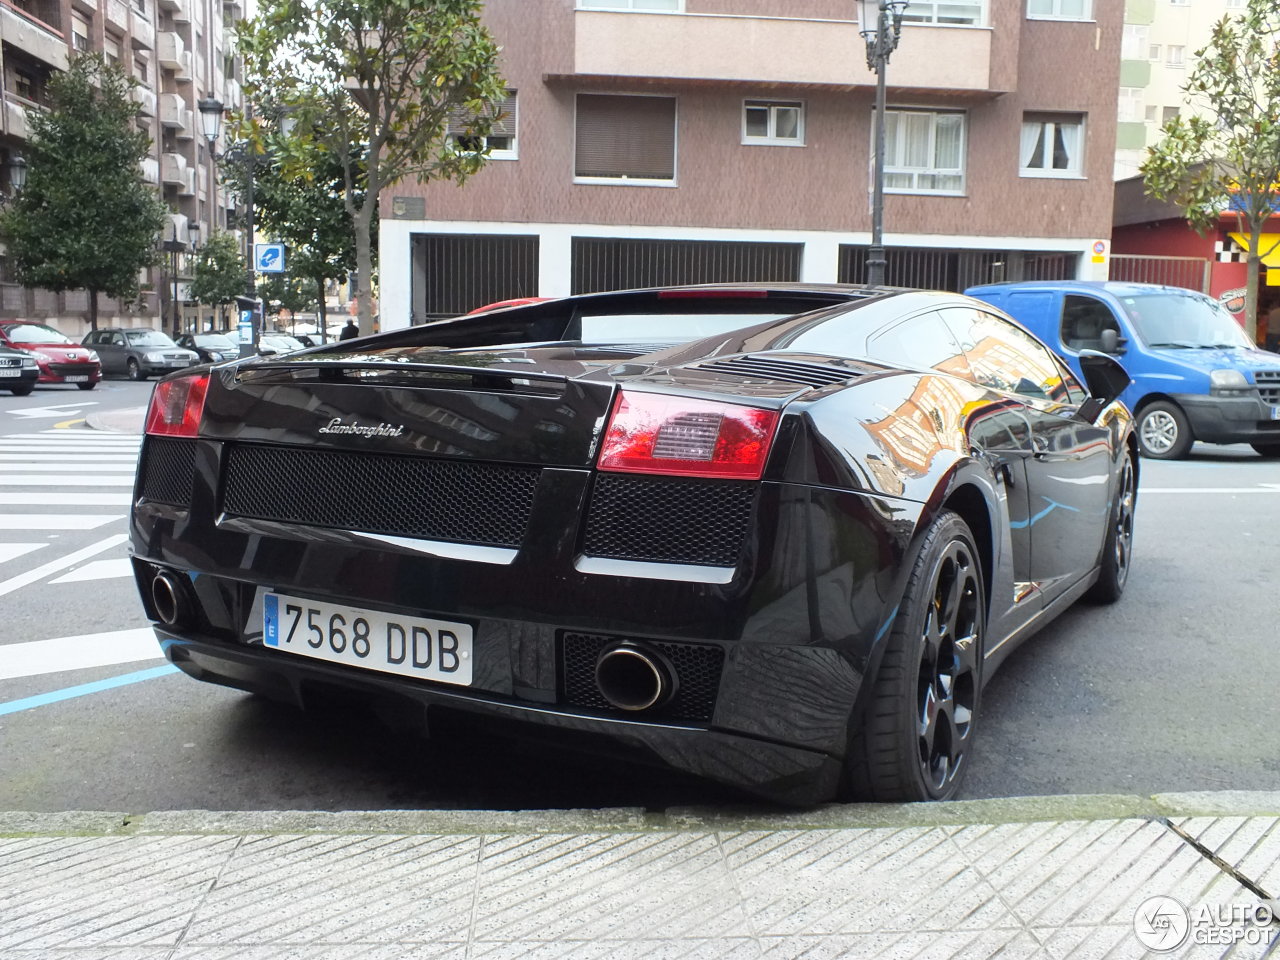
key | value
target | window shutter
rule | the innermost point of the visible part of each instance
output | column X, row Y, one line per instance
column 460, row 118
column 626, row 137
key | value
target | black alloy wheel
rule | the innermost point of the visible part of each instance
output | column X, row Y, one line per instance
column 1117, row 549
column 133, row 370
column 914, row 740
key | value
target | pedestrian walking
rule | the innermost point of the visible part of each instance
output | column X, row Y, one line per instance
column 349, row 331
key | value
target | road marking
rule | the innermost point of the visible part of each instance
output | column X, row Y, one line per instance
column 56, row 521
column 62, row 563
column 1271, row 488
column 98, row 570
column 68, row 463
column 59, row 411
column 68, row 693
column 36, row 657
column 108, row 459
column 68, row 423
column 65, row 499
column 59, row 435
column 52, row 480
column 11, row 551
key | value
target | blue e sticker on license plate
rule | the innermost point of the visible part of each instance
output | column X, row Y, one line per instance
column 389, row 643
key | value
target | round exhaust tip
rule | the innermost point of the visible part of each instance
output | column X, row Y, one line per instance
column 166, row 597
column 633, row 679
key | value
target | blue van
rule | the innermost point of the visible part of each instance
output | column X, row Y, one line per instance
column 1195, row 374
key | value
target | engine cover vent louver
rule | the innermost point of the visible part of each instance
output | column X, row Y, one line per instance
column 775, row 368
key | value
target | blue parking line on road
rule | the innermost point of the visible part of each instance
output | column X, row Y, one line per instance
column 68, row 693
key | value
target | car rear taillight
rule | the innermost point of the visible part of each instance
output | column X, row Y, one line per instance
column 653, row 433
column 176, row 406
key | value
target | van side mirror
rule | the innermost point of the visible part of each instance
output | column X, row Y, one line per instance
column 1111, row 342
column 1104, row 377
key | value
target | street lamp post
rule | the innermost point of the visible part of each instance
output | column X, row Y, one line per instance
column 211, row 125
column 173, row 246
column 881, row 26
column 17, row 172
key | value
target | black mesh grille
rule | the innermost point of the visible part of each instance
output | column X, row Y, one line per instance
column 696, row 666
column 1268, row 385
column 398, row 495
column 671, row 521
column 168, row 466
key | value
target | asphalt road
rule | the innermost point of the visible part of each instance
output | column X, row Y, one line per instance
column 1174, row 688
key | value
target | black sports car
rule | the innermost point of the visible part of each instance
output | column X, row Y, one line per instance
column 777, row 536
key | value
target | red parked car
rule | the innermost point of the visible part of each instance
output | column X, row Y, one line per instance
column 61, row 359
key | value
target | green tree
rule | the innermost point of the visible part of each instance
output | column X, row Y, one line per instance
column 286, row 291
column 308, row 215
column 86, row 220
column 1228, row 160
column 218, row 275
column 384, row 76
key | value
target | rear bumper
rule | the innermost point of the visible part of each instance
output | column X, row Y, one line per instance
column 780, row 772
column 1229, row 419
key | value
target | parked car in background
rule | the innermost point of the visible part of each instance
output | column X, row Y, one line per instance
column 59, row 359
column 274, row 344
column 776, row 536
column 211, row 347
column 18, row 371
column 138, row 353
column 1195, row 374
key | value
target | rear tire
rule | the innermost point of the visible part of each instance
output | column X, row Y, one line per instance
column 1266, row 449
column 1117, row 551
column 914, row 740
column 1163, row 431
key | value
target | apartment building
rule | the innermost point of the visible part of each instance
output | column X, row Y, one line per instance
column 666, row 141
column 179, row 51
column 1158, row 51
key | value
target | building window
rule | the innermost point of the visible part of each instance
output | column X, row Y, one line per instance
column 1061, row 9
column 140, row 70
column 1052, row 145
column 111, row 49
column 1130, row 105
column 1154, row 52
column 780, row 123
column 501, row 140
column 1151, row 115
column 957, row 12
column 79, row 32
column 26, row 85
column 1133, row 43
column 622, row 138
column 1169, row 113
column 1177, row 56
column 924, row 151
column 1235, row 4
column 646, row 6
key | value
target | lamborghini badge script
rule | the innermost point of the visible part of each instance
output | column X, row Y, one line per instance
column 381, row 430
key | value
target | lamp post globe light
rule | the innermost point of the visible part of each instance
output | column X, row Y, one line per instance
column 17, row 165
column 880, row 23
column 211, row 109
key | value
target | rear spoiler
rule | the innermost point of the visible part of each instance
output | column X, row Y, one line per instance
column 407, row 372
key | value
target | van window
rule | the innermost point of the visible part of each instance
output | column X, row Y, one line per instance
column 1083, row 320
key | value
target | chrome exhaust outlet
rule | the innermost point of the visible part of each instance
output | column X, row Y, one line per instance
column 168, row 599
column 631, row 678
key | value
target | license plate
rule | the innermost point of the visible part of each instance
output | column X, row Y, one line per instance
column 1275, row 413
column 10, row 371
column 389, row 643
column 76, row 379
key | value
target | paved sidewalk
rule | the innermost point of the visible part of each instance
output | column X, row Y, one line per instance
column 127, row 420
column 1040, row 877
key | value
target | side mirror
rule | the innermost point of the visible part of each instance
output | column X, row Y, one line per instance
column 1103, row 375
column 1111, row 342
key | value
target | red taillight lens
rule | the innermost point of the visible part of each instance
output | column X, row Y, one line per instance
column 652, row 433
column 176, row 406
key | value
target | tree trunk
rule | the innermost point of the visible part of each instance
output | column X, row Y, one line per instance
column 320, row 311
column 364, row 265
column 93, row 309
column 1251, row 284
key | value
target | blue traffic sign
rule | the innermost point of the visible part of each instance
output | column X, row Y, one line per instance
column 268, row 257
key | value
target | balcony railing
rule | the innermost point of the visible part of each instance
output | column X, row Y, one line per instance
column 32, row 36
column 170, row 50
column 141, row 33
column 146, row 100
column 173, row 170
column 150, row 170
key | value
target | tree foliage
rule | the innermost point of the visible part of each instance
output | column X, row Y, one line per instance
column 374, row 83
column 86, row 220
column 1228, row 160
column 219, row 273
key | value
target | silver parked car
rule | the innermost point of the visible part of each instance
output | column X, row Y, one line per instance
column 139, row 353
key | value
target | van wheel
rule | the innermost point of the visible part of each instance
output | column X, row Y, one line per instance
column 1163, row 431
column 1266, row 449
